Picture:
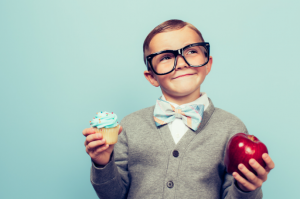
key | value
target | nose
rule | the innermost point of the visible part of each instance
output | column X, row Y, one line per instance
column 181, row 63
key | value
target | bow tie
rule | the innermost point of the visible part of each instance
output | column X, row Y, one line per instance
column 191, row 115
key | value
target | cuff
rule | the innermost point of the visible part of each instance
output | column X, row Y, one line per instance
column 238, row 193
column 101, row 175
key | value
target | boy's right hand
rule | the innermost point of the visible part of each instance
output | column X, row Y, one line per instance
column 96, row 147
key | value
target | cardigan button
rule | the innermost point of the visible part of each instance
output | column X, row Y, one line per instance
column 170, row 184
column 175, row 153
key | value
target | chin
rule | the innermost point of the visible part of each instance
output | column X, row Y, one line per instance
column 186, row 91
column 184, row 87
column 187, row 87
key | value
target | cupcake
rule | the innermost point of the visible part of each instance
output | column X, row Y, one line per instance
column 106, row 123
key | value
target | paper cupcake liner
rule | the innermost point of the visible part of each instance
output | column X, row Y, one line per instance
column 110, row 134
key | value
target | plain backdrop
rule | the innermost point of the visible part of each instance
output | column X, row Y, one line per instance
column 64, row 60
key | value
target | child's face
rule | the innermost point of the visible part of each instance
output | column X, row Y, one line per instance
column 184, row 81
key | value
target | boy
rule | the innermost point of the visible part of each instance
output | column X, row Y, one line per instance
column 176, row 148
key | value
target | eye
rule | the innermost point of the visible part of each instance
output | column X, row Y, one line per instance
column 166, row 57
column 191, row 52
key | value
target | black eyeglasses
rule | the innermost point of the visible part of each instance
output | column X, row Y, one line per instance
column 164, row 62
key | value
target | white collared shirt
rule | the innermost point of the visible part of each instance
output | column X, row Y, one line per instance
column 177, row 127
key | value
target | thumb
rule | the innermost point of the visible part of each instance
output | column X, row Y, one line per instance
column 120, row 129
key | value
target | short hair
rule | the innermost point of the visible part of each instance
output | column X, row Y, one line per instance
column 170, row 25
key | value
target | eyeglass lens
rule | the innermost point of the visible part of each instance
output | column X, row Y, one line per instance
column 195, row 56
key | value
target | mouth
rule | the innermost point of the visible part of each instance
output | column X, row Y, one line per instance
column 185, row 75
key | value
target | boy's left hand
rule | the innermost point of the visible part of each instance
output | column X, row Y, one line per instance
column 253, row 182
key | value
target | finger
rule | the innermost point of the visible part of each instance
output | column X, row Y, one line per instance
column 261, row 172
column 243, row 183
column 88, row 131
column 94, row 137
column 94, row 154
column 95, row 144
column 269, row 162
column 120, row 129
column 101, row 149
column 251, row 177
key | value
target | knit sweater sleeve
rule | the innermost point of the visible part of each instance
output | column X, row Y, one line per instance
column 230, row 189
column 112, row 181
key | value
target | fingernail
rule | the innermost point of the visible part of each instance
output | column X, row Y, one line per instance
column 265, row 155
column 234, row 174
column 252, row 162
column 241, row 166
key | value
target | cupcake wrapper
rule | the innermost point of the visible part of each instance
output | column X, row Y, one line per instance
column 110, row 134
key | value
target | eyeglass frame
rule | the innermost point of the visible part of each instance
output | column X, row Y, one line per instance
column 176, row 53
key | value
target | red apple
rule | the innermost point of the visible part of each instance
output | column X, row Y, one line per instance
column 240, row 149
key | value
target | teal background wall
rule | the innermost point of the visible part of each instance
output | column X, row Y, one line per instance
column 63, row 61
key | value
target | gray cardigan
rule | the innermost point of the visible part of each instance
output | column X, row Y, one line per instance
column 146, row 163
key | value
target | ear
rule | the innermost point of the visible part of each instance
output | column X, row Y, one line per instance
column 209, row 64
column 151, row 78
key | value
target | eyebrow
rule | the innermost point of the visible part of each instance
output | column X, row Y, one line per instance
column 176, row 49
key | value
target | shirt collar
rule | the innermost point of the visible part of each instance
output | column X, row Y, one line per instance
column 203, row 99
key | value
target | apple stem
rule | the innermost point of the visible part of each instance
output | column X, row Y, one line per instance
column 251, row 137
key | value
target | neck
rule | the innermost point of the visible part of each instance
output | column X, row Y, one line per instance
column 182, row 99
